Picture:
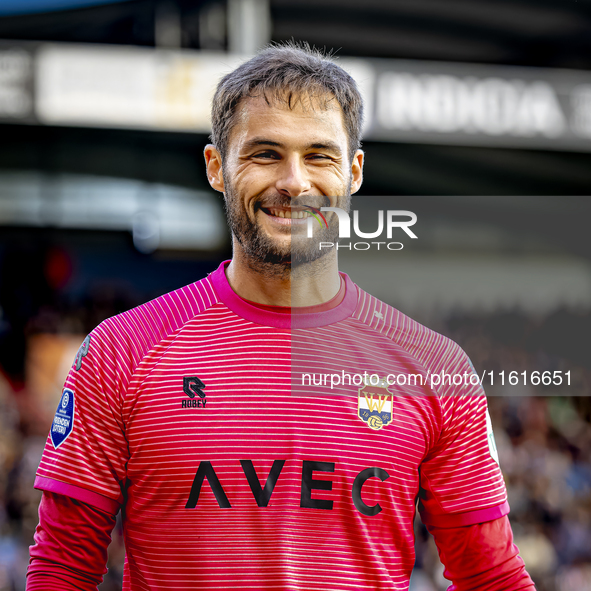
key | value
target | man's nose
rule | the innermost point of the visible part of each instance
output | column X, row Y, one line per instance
column 293, row 178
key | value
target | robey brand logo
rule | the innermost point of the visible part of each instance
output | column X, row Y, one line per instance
column 393, row 218
column 192, row 386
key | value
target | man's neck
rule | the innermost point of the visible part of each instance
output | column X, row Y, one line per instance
column 309, row 284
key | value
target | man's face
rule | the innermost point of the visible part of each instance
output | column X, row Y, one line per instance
column 280, row 161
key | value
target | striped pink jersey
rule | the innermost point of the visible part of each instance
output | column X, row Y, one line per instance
column 250, row 449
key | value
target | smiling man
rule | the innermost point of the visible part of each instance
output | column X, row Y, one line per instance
column 280, row 156
column 192, row 415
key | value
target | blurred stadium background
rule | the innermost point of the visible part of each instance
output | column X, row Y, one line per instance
column 479, row 121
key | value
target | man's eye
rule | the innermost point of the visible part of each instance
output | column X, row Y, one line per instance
column 318, row 157
column 267, row 155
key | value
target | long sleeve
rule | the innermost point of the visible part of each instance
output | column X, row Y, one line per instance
column 71, row 541
column 482, row 557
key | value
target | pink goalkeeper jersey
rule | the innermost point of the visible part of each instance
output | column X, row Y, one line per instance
column 240, row 463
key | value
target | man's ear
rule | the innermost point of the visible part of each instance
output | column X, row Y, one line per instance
column 213, row 166
column 357, row 171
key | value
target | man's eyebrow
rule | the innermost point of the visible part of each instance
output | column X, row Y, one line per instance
column 329, row 146
column 324, row 145
column 257, row 141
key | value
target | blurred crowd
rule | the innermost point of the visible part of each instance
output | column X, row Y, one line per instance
column 543, row 435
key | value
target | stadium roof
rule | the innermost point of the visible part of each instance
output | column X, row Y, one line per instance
column 14, row 7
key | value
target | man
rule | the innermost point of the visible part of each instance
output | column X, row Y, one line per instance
column 193, row 415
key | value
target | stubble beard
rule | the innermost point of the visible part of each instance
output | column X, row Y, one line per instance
column 270, row 257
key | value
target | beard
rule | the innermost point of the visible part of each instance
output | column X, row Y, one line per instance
column 263, row 250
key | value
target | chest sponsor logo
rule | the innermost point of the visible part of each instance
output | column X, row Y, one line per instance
column 63, row 422
column 375, row 403
column 309, row 485
column 193, row 388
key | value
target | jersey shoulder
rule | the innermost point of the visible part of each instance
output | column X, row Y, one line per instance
column 431, row 349
column 127, row 337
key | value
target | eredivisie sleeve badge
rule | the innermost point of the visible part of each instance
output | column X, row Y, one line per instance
column 375, row 403
column 63, row 422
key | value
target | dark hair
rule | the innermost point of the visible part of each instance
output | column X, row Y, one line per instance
column 286, row 73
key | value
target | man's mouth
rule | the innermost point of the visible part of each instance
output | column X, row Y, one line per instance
column 287, row 212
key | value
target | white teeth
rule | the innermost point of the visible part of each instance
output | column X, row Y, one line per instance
column 289, row 214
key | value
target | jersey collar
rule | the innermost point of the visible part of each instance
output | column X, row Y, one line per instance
column 299, row 319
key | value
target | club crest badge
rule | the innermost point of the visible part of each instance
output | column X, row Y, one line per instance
column 375, row 403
